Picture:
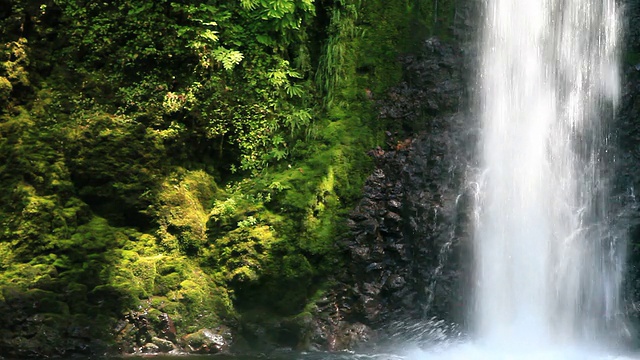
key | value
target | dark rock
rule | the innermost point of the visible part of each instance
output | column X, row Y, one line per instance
column 136, row 332
column 394, row 204
column 371, row 288
column 374, row 266
column 370, row 226
column 627, row 176
column 361, row 252
column 120, row 325
column 395, row 282
column 167, row 328
column 393, row 217
column 350, row 336
column 409, row 235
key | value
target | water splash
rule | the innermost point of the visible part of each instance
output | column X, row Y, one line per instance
column 548, row 269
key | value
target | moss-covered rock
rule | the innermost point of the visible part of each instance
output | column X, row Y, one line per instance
column 208, row 341
column 182, row 210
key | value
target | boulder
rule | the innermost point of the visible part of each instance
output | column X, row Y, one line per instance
column 163, row 345
column 206, row 341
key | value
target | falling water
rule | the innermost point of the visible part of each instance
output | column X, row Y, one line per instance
column 548, row 269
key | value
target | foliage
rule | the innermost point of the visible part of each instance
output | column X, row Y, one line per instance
column 196, row 158
column 233, row 85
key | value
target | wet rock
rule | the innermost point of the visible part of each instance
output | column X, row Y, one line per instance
column 393, row 217
column 395, row 282
column 150, row 348
column 361, row 252
column 408, row 232
column 120, row 325
column 167, row 328
column 138, row 329
column 394, row 204
column 627, row 175
column 370, row 226
column 350, row 336
column 374, row 266
column 206, row 341
column 372, row 288
column 163, row 345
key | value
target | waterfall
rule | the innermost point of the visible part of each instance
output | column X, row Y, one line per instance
column 548, row 269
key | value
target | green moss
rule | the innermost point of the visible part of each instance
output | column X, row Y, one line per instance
column 23, row 276
column 173, row 264
column 76, row 298
column 121, row 296
column 129, row 256
column 191, row 293
column 166, row 283
column 140, row 244
column 174, row 308
column 241, row 255
column 182, row 210
column 144, row 271
column 6, row 256
column 5, row 90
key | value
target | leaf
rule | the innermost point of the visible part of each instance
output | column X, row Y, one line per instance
column 228, row 58
column 294, row 90
column 298, row 119
column 294, row 74
column 277, row 77
column 278, row 154
column 248, row 4
column 209, row 35
column 265, row 40
column 277, row 140
column 207, row 23
column 208, row 8
column 137, row 10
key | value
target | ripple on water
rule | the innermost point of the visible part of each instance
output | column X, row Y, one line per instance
column 478, row 352
column 458, row 352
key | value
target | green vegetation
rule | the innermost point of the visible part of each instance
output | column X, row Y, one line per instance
column 196, row 157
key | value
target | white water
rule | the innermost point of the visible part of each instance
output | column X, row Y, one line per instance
column 546, row 272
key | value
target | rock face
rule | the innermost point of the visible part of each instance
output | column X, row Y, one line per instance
column 408, row 254
column 408, row 250
column 627, row 177
column 413, row 219
column 37, row 325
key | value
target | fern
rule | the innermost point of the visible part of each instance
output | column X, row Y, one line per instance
column 299, row 119
column 228, row 58
column 248, row 4
column 294, row 90
column 209, row 35
column 277, row 77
